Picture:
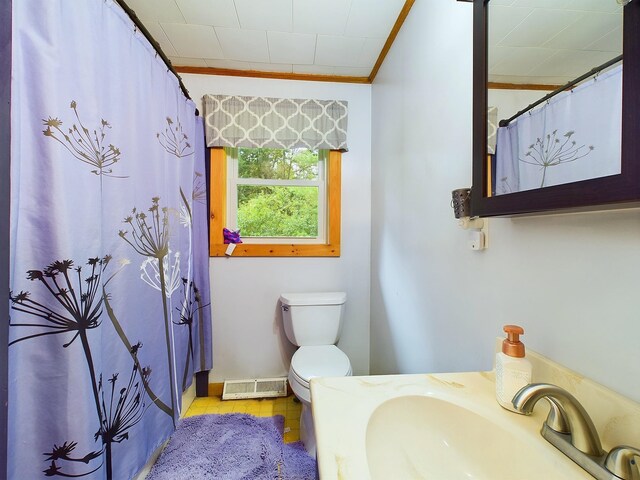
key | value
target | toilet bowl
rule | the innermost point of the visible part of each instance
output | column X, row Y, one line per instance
column 313, row 321
column 309, row 362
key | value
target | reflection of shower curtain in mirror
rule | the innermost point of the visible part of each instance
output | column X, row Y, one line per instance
column 574, row 136
column 109, row 267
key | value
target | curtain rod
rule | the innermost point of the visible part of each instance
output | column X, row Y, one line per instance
column 134, row 18
column 590, row 73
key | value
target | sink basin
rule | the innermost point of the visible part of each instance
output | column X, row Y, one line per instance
column 414, row 437
column 443, row 426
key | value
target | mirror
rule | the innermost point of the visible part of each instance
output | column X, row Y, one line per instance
column 505, row 54
column 535, row 48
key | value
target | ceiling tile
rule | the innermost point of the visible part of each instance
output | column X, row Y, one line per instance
column 327, row 17
column 243, row 45
column 503, row 20
column 611, row 42
column 571, row 63
column 352, row 71
column 333, row 71
column 228, row 64
column 219, row 13
column 272, row 67
column 273, row 15
column 372, row 19
column 156, row 11
column 518, row 61
column 590, row 27
column 291, row 47
column 539, row 26
column 194, row 41
column 569, row 28
column 338, row 51
column 187, row 62
column 313, row 69
column 595, row 5
column 497, row 54
column 159, row 36
column 556, row 4
column 370, row 52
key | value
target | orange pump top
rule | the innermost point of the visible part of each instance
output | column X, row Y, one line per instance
column 512, row 346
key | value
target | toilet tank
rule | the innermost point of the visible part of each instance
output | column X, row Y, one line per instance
column 313, row 318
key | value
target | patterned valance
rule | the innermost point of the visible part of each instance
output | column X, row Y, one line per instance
column 234, row 121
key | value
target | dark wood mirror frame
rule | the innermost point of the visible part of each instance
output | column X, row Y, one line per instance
column 615, row 191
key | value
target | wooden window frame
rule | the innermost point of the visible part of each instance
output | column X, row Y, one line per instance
column 218, row 213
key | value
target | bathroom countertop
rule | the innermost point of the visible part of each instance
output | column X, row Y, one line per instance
column 342, row 408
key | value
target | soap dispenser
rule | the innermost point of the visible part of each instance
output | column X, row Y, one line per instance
column 513, row 370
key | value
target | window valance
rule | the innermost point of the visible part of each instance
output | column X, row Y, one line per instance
column 238, row 121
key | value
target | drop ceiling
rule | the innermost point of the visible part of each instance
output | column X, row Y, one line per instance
column 319, row 37
column 551, row 41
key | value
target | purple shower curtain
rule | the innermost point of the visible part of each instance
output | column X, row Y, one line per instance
column 110, row 311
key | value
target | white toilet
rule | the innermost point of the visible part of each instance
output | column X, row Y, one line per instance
column 313, row 321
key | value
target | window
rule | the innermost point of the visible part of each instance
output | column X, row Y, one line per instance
column 275, row 195
column 285, row 202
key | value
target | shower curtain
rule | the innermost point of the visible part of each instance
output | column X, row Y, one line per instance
column 110, row 311
column 574, row 136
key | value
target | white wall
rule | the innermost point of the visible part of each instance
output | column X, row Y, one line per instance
column 571, row 280
column 510, row 102
column 248, row 340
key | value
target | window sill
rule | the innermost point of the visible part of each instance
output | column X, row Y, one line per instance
column 277, row 250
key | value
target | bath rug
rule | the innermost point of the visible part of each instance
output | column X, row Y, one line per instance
column 233, row 446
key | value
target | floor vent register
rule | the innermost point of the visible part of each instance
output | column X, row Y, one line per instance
column 254, row 388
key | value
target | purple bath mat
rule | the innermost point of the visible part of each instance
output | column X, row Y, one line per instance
column 232, row 446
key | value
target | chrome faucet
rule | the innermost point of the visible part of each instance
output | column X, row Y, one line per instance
column 569, row 428
column 566, row 415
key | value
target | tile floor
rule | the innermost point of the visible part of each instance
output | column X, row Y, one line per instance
column 289, row 407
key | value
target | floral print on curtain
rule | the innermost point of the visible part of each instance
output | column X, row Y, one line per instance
column 110, row 313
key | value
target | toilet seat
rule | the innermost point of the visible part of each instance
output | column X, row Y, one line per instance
column 319, row 361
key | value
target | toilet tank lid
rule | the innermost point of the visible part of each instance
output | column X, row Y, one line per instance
column 316, row 298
